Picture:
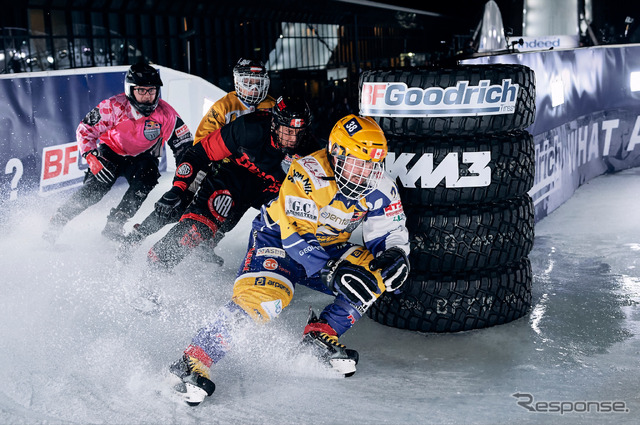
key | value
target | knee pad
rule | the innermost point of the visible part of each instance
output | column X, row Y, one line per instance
column 262, row 295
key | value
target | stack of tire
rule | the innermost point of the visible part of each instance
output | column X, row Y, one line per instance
column 463, row 175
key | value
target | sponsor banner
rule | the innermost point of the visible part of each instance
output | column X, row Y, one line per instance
column 576, row 152
column 62, row 167
column 399, row 100
column 591, row 80
column 547, row 42
column 594, row 130
column 39, row 117
column 430, row 175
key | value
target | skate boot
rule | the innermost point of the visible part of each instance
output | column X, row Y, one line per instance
column 114, row 229
column 194, row 383
column 324, row 340
column 208, row 255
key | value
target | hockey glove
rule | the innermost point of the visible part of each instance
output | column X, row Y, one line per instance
column 394, row 266
column 354, row 282
column 101, row 167
column 168, row 206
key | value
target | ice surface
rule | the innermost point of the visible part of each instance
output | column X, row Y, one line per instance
column 74, row 351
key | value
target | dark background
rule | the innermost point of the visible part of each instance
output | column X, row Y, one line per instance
column 206, row 38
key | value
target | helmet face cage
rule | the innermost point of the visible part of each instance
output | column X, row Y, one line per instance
column 356, row 177
column 358, row 147
column 292, row 114
column 251, row 81
column 146, row 76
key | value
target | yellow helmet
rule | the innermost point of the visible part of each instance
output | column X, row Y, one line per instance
column 358, row 147
column 357, row 136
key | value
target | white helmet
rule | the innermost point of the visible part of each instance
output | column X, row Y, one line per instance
column 251, row 81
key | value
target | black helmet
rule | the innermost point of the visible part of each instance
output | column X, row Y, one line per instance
column 251, row 81
column 293, row 113
column 142, row 74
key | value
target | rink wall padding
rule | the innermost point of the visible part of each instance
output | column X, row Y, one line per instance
column 40, row 113
column 596, row 128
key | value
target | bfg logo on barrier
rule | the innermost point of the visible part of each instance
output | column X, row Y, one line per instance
column 479, row 173
column 399, row 100
column 62, row 167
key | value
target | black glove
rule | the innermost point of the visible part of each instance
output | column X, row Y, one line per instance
column 168, row 206
column 101, row 167
column 394, row 266
column 354, row 282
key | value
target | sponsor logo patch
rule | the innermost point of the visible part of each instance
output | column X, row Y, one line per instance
column 184, row 170
column 182, row 130
column 393, row 209
column 271, row 252
column 270, row 264
column 304, row 209
column 220, row 204
column 272, row 308
column 307, row 250
column 151, row 129
column 299, row 177
column 93, row 117
column 315, row 171
column 335, row 217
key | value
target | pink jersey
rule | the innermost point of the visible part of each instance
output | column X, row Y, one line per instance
column 120, row 126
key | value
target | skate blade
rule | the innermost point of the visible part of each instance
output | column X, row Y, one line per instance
column 145, row 304
column 183, row 393
column 346, row 367
column 193, row 395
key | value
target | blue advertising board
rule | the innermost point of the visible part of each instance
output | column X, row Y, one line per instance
column 39, row 117
column 587, row 117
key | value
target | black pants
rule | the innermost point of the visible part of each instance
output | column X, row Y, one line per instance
column 223, row 198
column 141, row 173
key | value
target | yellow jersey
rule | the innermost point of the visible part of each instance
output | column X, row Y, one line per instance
column 225, row 110
column 310, row 213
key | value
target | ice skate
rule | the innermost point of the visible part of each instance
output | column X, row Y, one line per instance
column 114, row 229
column 324, row 341
column 191, row 380
column 208, row 255
column 147, row 302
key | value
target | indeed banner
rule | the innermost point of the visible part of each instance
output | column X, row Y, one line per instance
column 548, row 42
column 587, row 117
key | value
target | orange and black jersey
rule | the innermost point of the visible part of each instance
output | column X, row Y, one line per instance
column 245, row 142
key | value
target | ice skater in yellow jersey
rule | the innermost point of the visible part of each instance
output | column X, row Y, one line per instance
column 251, row 82
column 302, row 237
